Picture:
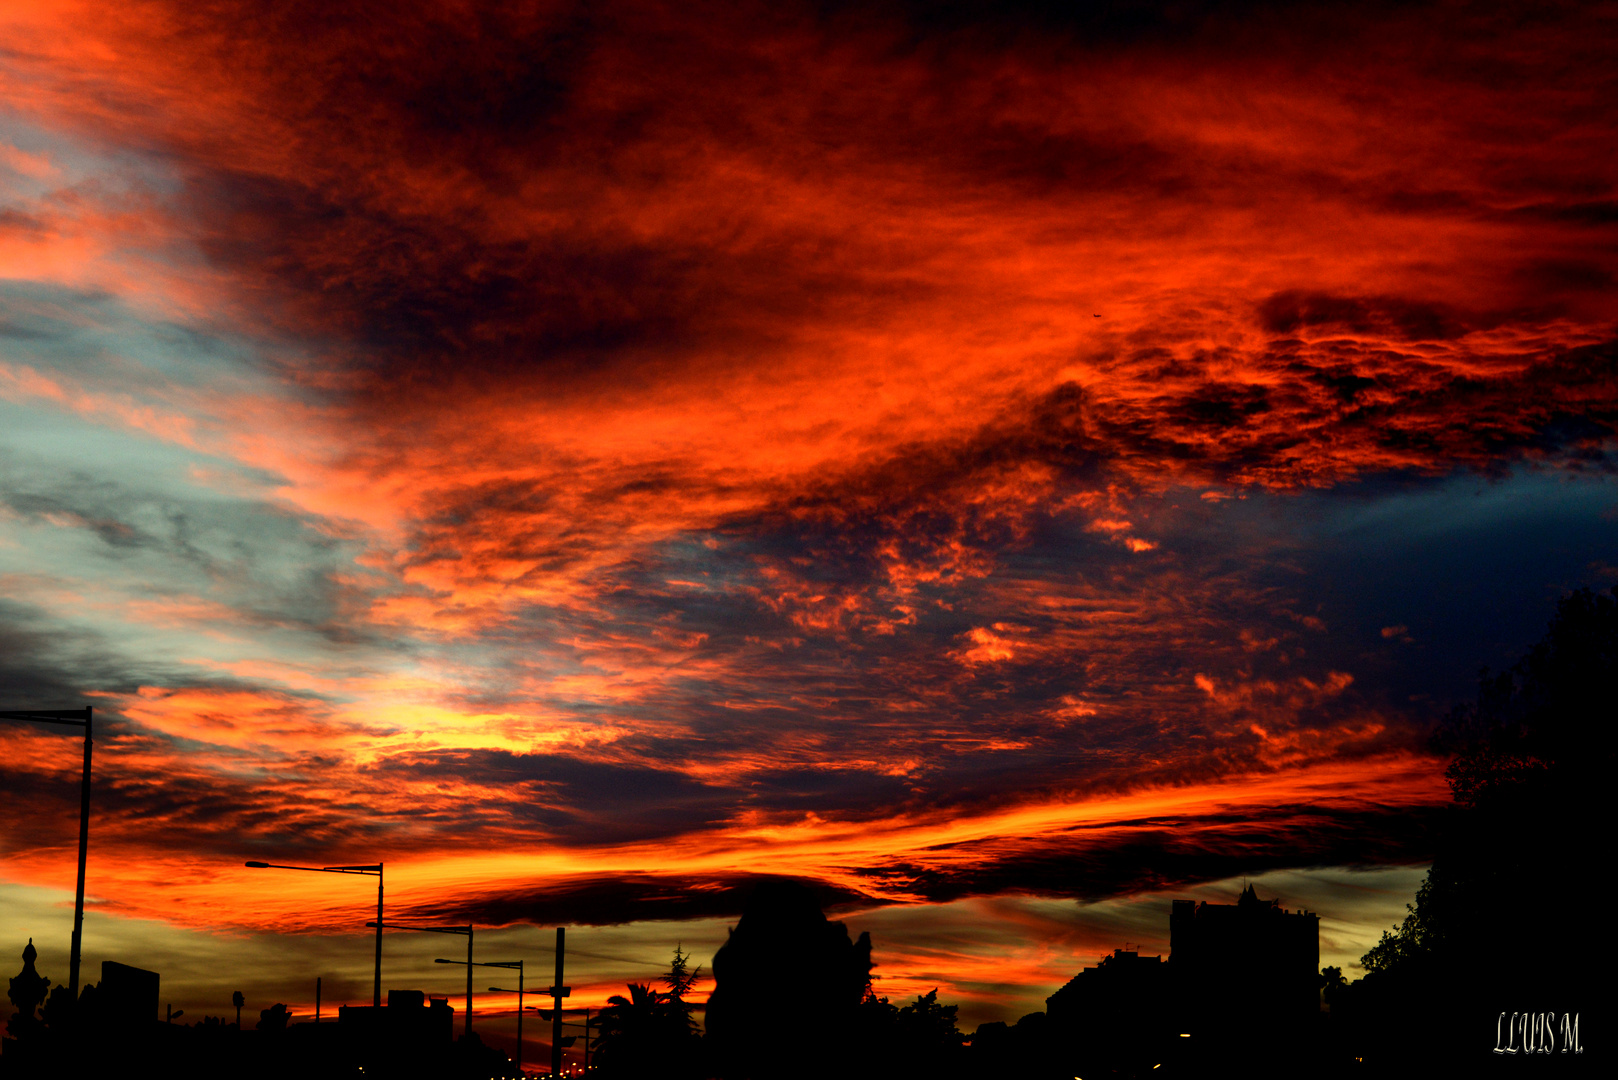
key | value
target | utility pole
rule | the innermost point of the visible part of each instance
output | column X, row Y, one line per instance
column 376, row 869
column 376, row 984
column 84, row 718
column 521, row 989
column 84, row 852
column 558, row 992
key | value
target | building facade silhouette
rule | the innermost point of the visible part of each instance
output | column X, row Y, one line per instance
column 1241, row 983
column 1245, row 976
column 1110, row 1017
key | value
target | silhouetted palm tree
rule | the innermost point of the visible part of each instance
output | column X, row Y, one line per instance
column 648, row 1032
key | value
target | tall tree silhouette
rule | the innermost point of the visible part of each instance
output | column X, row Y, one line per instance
column 680, row 978
column 1517, row 876
column 787, row 982
column 1532, row 758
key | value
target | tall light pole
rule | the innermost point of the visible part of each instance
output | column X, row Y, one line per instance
column 84, row 718
column 545, row 1014
column 519, row 992
column 373, row 869
column 467, row 930
column 558, row 992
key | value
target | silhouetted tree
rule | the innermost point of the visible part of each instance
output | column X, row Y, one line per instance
column 1532, row 759
column 1517, row 874
column 58, row 1010
column 1332, row 982
column 920, row 1039
column 927, row 1034
column 648, row 1033
column 680, row 978
column 928, row 1023
column 273, row 1019
column 786, row 981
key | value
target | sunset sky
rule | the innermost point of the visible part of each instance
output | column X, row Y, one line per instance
column 1010, row 465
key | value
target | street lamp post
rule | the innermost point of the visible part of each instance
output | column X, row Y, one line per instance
column 547, row 1014
column 84, row 718
column 373, row 869
column 497, row 990
column 558, row 992
column 467, row 930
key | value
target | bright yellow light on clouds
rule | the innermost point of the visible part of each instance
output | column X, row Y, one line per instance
column 389, row 715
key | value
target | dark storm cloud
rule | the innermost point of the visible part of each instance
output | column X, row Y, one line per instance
column 625, row 898
column 1286, row 312
column 39, row 667
column 1151, row 856
column 575, row 799
column 1124, row 858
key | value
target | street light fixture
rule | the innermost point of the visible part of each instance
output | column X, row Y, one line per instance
column 568, row 1040
column 467, row 930
column 374, row 869
column 84, row 718
column 518, row 991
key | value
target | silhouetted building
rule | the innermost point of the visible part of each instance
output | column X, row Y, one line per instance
column 116, row 1025
column 1112, row 1015
column 1240, row 985
column 408, row 1037
column 127, row 996
column 1244, row 974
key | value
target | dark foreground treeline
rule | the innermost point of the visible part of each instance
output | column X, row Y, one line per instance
column 1516, row 914
column 1506, row 941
